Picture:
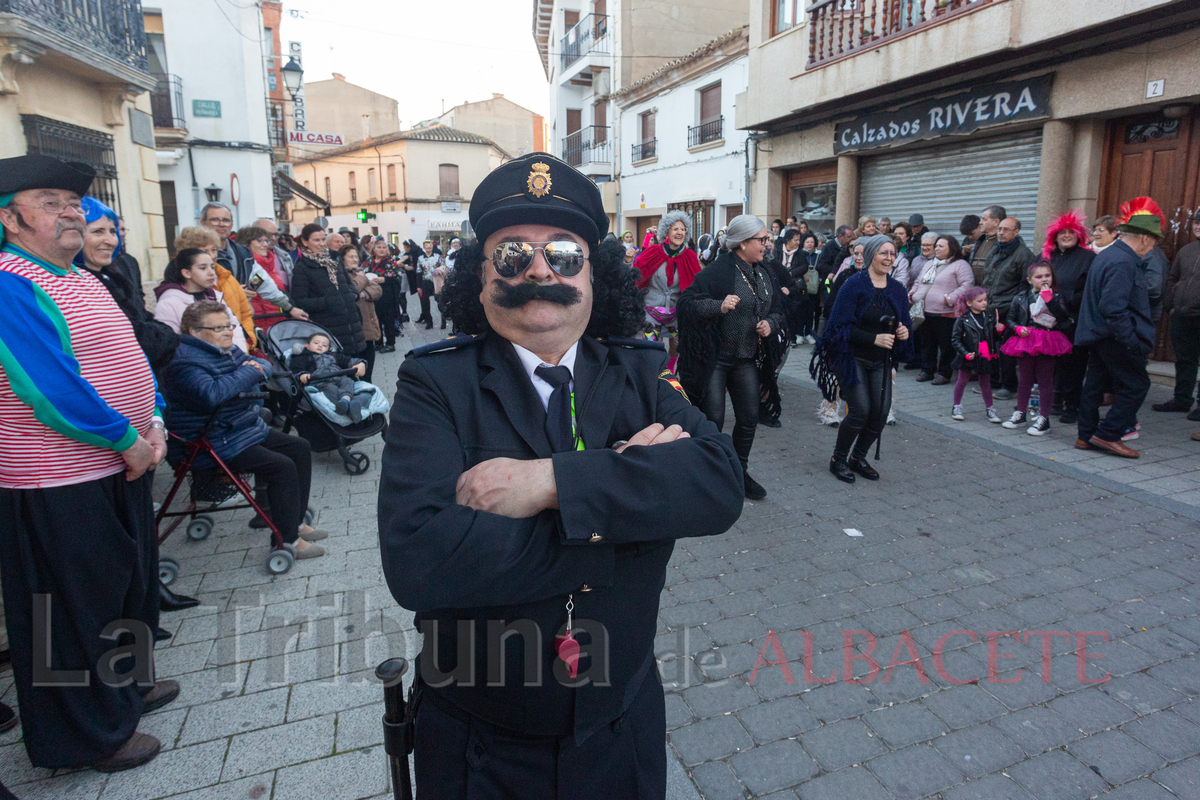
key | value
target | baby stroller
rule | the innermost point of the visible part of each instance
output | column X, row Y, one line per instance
column 212, row 489
column 315, row 424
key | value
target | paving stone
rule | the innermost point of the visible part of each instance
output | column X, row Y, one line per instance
column 1145, row 789
column 719, row 697
column 361, row 773
column 1167, row 734
column 1091, row 711
column 1141, row 693
column 780, row 719
column 174, row 771
column 709, row 740
column 1183, row 779
column 774, row 766
column 280, row 746
column 1036, row 729
column 905, row 724
column 1116, row 757
column 842, row 744
column 852, row 782
column 358, row 727
column 235, row 715
column 717, row 782
column 837, row 701
column 917, row 771
column 961, row 706
column 1057, row 776
column 978, row 750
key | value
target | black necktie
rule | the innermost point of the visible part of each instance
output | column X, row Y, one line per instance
column 558, row 410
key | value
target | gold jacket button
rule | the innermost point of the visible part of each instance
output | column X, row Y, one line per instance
column 585, row 588
column 595, row 537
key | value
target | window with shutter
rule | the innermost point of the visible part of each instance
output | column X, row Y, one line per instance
column 448, row 180
column 391, row 179
column 710, row 103
column 371, row 184
column 600, row 120
column 648, row 126
column 328, row 193
column 574, row 120
column 353, row 189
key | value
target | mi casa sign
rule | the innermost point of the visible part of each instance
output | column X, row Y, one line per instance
column 984, row 107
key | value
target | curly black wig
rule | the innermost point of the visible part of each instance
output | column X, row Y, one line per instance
column 616, row 301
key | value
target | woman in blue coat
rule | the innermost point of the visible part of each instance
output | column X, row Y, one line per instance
column 205, row 378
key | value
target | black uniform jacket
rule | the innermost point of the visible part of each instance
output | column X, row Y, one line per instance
column 608, row 546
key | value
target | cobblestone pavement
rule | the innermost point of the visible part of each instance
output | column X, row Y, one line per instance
column 971, row 529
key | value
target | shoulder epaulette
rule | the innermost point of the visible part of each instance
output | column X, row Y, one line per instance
column 633, row 343
column 452, row 343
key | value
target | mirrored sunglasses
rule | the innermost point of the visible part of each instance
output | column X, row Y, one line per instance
column 510, row 259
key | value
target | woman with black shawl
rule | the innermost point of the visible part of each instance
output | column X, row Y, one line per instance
column 731, row 336
column 868, row 331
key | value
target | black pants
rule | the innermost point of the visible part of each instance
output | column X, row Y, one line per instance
column 867, row 404
column 804, row 316
column 367, row 354
column 1185, row 338
column 740, row 377
column 459, row 757
column 939, row 351
column 284, row 464
column 1070, row 370
column 1112, row 362
column 92, row 548
column 387, row 307
column 426, row 296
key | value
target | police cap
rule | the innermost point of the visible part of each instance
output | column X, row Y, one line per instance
column 538, row 188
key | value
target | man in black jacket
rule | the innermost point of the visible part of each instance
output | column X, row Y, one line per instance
column 1181, row 298
column 834, row 252
column 1004, row 277
column 522, row 509
column 232, row 256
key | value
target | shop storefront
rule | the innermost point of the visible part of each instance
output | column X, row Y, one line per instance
column 810, row 195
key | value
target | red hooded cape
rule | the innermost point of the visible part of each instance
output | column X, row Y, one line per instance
column 650, row 259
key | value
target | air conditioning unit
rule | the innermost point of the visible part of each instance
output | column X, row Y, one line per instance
column 286, row 168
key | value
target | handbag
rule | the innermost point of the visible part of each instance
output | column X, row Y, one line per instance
column 917, row 312
column 812, row 281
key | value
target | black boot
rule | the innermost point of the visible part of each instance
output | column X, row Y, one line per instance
column 162, row 634
column 840, row 470
column 860, row 465
column 754, row 490
column 169, row 601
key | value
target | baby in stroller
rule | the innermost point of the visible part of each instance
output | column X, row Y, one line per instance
column 315, row 365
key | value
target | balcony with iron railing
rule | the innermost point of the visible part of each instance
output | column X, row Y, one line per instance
column 588, row 145
column 166, row 103
column 842, row 28
column 589, row 35
column 706, row 132
column 103, row 35
column 645, row 151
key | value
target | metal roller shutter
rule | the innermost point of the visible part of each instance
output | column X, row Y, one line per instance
column 947, row 182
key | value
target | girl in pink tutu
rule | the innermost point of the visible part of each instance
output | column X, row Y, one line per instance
column 974, row 338
column 1037, row 320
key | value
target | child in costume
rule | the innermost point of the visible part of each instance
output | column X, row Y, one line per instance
column 1038, row 318
column 974, row 340
column 314, row 364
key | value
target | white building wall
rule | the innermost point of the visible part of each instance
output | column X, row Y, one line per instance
column 678, row 175
column 216, row 62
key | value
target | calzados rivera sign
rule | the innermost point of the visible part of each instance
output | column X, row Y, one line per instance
column 984, row 107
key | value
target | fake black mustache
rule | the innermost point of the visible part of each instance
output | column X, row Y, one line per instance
column 506, row 295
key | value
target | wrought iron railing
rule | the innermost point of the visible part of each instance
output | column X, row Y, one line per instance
column 838, row 28
column 68, row 142
column 276, row 128
column 589, row 35
column 706, row 132
column 166, row 102
column 645, row 150
column 588, row 145
column 111, row 27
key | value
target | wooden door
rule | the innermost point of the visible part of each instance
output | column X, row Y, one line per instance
column 645, row 224
column 1153, row 156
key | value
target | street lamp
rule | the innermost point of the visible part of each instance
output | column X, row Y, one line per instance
column 213, row 193
column 293, row 74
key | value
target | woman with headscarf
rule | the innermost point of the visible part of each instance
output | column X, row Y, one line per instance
column 731, row 336
column 1068, row 246
column 868, row 328
column 664, row 272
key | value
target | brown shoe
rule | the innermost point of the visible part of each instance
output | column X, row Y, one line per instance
column 1196, row 437
column 939, row 380
column 162, row 693
column 1116, row 448
column 139, row 749
column 1080, row 444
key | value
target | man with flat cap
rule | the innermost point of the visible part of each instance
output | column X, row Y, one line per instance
column 536, row 474
column 80, row 433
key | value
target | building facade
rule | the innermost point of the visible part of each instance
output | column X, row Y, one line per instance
column 516, row 129
column 417, row 183
column 942, row 107
column 74, row 85
column 591, row 49
column 354, row 112
column 681, row 150
column 211, row 106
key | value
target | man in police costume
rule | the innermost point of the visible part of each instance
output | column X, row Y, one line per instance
column 536, row 474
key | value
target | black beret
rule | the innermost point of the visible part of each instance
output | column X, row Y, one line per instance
column 37, row 171
column 538, row 189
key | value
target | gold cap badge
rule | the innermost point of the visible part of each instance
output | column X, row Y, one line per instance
column 539, row 180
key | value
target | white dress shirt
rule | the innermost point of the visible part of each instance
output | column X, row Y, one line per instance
column 531, row 362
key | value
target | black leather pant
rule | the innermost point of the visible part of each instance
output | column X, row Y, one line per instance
column 867, row 402
column 740, row 377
